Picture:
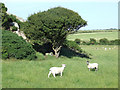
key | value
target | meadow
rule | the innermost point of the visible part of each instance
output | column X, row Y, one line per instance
column 95, row 35
column 33, row 74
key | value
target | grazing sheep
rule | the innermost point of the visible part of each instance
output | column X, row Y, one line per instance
column 51, row 54
column 105, row 49
column 92, row 66
column 56, row 70
column 109, row 48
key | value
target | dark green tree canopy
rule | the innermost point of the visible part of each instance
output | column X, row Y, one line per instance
column 3, row 9
column 52, row 26
column 3, row 14
column 5, row 18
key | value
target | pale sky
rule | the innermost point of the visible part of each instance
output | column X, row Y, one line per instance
column 100, row 14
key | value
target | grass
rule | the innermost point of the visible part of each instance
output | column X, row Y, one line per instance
column 96, row 35
column 0, row 74
column 33, row 74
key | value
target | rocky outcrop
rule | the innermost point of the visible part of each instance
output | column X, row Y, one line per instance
column 18, row 32
column 21, row 33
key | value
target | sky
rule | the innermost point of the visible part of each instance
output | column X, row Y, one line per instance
column 99, row 14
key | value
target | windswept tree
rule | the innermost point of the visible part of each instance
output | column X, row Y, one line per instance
column 52, row 26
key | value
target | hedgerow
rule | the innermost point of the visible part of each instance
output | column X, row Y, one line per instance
column 103, row 41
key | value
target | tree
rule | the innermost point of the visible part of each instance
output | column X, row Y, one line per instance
column 52, row 26
column 5, row 18
column 3, row 14
column 104, row 41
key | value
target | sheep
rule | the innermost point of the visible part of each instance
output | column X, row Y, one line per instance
column 92, row 66
column 56, row 70
column 51, row 54
column 105, row 49
column 109, row 48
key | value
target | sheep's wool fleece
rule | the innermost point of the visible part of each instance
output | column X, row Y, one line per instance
column 93, row 65
column 56, row 70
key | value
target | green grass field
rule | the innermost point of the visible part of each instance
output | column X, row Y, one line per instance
column 96, row 35
column 33, row 74
column 0, row 74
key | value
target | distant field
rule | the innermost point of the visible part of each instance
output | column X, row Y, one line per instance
column 33, row 74
column 96, row 35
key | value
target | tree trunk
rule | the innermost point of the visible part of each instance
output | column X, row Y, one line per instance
column 57, row 51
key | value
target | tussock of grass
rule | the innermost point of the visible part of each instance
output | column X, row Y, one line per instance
column 33, row 74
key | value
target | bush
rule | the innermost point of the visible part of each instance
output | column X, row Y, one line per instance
column 40, row 56
column 14, row 28
column 14, row 46
column 115, row 42
column 84, row 43
column 93, row 41
column 78, row 41
column 104, row 41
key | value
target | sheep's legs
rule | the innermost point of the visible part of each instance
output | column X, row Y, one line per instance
column 61, row 74
column 54, row 75
column 49, row 74
column 89, row 69
column 96, row 69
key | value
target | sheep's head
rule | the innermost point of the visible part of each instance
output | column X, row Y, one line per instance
column 87, row 62
column 63, row 65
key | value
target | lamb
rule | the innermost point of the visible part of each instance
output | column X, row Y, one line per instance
column 56, row 70
column 92, row 66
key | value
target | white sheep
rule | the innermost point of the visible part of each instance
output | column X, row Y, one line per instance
column 92, row 66
column 105, row 49
column 109, row 48
column 56, row 70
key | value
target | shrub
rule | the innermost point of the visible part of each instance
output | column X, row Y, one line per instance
column 118, row 41
column 85, row 43
column 115, row 42
column 104, row 41
column 14, row 28
column 14, row 46
column 78, row 41
column 93, row 41
column 40, row 56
